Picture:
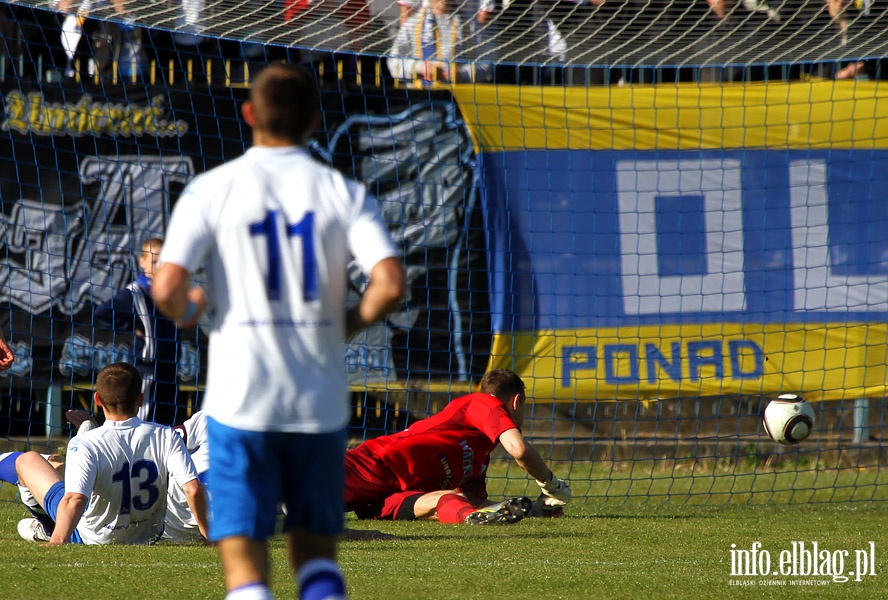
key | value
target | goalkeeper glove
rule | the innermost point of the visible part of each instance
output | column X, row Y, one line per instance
column 557, row 491
column 539, row 509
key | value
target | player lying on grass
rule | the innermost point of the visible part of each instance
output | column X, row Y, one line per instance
column 182, row 528
column 116, row 476
column 180, row 523
column 436, row 469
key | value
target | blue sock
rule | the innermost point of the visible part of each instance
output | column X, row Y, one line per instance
column 320, row 579
column 7, row 467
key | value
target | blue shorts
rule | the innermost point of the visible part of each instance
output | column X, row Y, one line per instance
column 51, row 505
column 252, row 472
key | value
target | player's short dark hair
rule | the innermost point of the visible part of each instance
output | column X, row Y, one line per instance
column 118, row 386
column 285, row 101
column 502, row 383
column 150, row 243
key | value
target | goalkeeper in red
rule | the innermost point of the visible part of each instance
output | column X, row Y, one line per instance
column 436, row 469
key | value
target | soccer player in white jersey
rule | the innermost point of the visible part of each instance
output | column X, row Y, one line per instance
column 276, row 231
column 181, row 524
column 116, row 476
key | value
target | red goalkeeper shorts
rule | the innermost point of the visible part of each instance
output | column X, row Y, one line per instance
column 372, row 490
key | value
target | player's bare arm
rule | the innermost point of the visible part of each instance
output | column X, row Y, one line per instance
column 70, row 510
column 197, row 502
column 6, row 355
column 383, row 295
column 174, row 297
column 524, row 454
column 557, row 490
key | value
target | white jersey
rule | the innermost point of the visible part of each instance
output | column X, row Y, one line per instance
column 181, row 526
column 275, row 229
column 125, row 468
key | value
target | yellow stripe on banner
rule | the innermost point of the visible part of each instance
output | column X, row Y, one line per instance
column 820, row 361
column 801, row 115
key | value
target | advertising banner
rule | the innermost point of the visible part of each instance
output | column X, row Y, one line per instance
column 89, row 172
column 669, row 241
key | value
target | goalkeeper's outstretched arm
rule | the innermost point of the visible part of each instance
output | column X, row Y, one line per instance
column 556, row 490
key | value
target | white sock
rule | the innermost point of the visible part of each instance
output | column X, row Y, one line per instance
column 29, row 500
column 251, row 591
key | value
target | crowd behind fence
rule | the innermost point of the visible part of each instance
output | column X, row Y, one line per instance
column 517, row 41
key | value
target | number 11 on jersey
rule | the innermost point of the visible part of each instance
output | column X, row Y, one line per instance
column 304, row 230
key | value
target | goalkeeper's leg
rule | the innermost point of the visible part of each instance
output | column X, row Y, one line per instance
column 453, row 508
column 448, row 506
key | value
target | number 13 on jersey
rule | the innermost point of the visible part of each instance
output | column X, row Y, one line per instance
column 304, row 230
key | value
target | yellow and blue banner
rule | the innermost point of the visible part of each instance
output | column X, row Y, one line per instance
column 653, row 242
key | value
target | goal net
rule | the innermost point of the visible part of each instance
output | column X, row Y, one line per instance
column 602, row 33
column 657, row 261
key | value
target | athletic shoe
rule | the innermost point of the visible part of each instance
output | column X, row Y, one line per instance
column 505, row 513
column 32, row 530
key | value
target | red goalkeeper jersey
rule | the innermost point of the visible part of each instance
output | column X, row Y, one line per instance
column 448, row 449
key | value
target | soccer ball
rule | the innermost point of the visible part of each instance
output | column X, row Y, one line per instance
column 788, row 419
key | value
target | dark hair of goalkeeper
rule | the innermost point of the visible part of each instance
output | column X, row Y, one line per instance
column 503, row 384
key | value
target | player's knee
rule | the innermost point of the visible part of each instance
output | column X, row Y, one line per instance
column 26, row 464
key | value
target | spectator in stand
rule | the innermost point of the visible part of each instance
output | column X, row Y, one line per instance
column 486, row 11
column 72, row 33
column 107, row 41
column 523, row 36
column 570, row 24
column 836, row 9
column 721, row 9
column 407, row 9
column 429, row 46
column 873, row 68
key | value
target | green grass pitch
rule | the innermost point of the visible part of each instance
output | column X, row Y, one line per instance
column 598, row 550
